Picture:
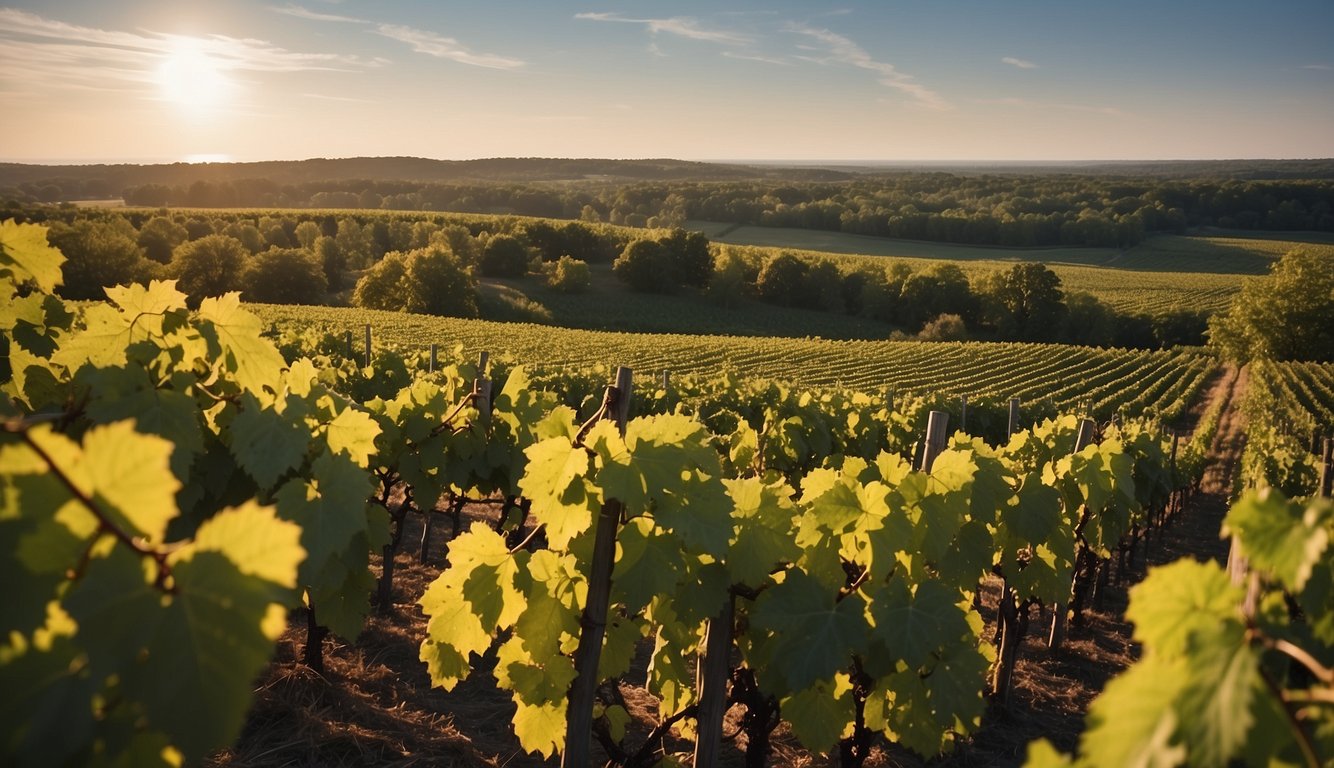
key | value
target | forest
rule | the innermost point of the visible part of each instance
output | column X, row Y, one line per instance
column 1105, row 205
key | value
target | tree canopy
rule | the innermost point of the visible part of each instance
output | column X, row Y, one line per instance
column 1288, row 315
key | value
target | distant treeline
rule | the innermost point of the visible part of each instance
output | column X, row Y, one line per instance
column 430, row 263
column 983, row 210
column 1045, row 206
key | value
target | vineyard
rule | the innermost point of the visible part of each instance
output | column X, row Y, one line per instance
column 1100, row 382
column 747, row 555
column 1290, row 409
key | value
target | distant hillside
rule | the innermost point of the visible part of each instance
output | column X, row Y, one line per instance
column 110, row 180
column 414, row 169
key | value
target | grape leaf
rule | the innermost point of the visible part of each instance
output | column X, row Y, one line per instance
column 813, row 635
column 130, row 475
column 255, row 362
column 821, row 714
column 353, row 432
column 268, row 444
column 1279, row 536
column 25, row 254
column 1175, row 601
column 1134, row 721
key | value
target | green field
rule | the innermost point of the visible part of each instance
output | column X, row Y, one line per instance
column 1106, row 380
column 1163, row 274
column 1231, row 254
column 609, row 305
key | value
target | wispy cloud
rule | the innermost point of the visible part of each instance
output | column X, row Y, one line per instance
column 69, row 56
column 305, row 13
column 838, row 49
column 1318, row 67
column 681, row 26
column 441, row 47
column 420, row 40
column 1020, row 63
column 756, row 57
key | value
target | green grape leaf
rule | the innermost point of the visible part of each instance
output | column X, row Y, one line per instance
column 541, row 727
column 1279, row 536
column 554, row 482
column 257, row 542
column 129, row 474
column 531, row 679
column 253, row 359
column 330, row 508
column 1215, row 705
column 472, row 598
column 700, row 515
column 763, row 531
column 353, row 432
column 649, row 564
column 268, row 444
column 619, row 645
column 198, row 680
column 1037, row 514
column 1176, row 601
column 821, row 714
column 1134, row 721
column 128, row 393
column 813, row 634
column 914, row 625
column 1041, row 754
column 26, row 255
column 45, row 714
column 118, row 612
column 37, row 320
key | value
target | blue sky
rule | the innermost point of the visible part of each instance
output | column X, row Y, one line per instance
column 913, row 81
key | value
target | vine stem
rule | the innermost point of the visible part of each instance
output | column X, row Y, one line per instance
column 1303, row 740
column 105, row 524
column 1322, row 673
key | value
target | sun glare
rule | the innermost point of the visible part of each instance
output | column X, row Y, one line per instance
column 192, row 79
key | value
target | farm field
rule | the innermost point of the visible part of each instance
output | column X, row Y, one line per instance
column 1166, row 273
column 1104, row 380
column 1243, row 254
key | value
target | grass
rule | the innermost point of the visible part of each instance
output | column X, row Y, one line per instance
column 1233, row 253
column 609, row 306
column 1163, row 274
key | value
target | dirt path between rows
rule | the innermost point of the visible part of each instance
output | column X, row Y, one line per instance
column 375, row 706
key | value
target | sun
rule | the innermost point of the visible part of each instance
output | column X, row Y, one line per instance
column 192, row 79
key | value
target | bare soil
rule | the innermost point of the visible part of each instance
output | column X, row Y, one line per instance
column 374, row 705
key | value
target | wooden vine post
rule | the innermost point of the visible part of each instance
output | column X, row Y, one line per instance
column 963, row 413
column 711, row 682
column 593, row 622
column 1327, row 469
column 1014, row 416
column 1057, row 635
column 368, row 345
column 935, row 438
column 435, row 349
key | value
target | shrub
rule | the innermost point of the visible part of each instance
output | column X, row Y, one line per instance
column 504, row 256
column 209, row 266
column 944, row 328
column 568, row 275
column 646, row 266
column 286, row 276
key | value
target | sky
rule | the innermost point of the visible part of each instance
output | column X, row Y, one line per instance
column 875, row 80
